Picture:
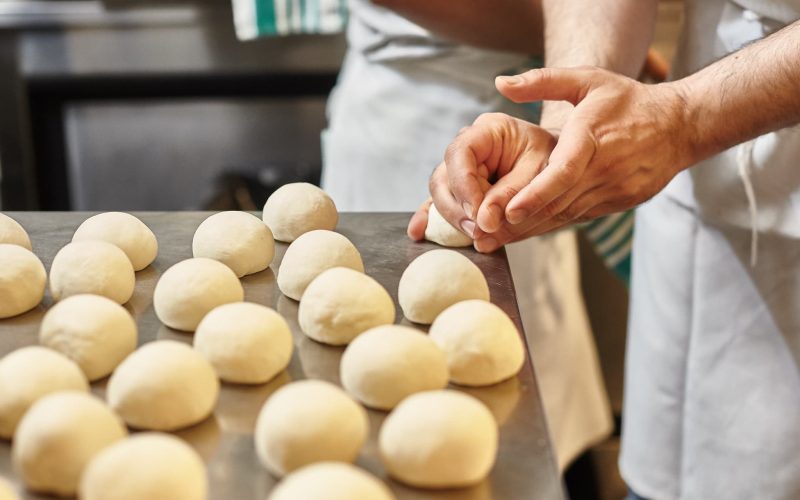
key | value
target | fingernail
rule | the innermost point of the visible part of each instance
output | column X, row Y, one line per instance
column 467, row 209
column 487, row 244
column 469, row 227
column 510, row 80
column 518, row 215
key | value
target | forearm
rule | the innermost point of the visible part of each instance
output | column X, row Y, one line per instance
column 610, row 34
column 510, row 25
column 746, row 94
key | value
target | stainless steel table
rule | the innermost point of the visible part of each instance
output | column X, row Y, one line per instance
column 525, row 468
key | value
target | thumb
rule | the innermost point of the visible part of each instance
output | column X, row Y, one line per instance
column 549, row 84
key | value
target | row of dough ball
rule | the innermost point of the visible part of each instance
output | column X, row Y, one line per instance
column 70, row 442
column 105, row 251
column 433, row 439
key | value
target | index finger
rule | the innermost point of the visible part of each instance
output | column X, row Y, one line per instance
column 567, row 163
column 473, row 148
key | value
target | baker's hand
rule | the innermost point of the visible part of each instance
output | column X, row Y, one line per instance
column 491, row 161
column 622, row 143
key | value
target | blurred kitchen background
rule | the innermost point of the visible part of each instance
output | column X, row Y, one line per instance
column 155, row 105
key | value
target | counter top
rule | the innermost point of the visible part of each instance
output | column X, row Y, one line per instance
column 525, row 468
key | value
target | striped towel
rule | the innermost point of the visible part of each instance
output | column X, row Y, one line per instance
column 612, row 239
column 255, row 18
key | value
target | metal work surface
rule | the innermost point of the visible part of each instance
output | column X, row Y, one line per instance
column 525, row 468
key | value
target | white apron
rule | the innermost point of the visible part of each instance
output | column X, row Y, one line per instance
column 712, row 392
column 402, row 96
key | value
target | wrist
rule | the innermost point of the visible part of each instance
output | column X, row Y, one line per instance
column 687, row 115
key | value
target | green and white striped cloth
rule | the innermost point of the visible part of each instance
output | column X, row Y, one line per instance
column 610, row 236
column 612, row 239
column 255, row 18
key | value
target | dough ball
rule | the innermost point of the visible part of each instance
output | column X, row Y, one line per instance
column 22, row 280
column 7, row 491
column 239, row 240
column 297, row 208
column 164, row 386
column 190, row 289
column 306, row 422
column 311, row 254
column 436, row 280
column 383, row 366
column 58, row 436
column 94, row 267
column 12, row 233
column 147, row 466
column 341, row 303
column 439, row 439
column 246, row 343
column 93, row 331
column 482, row 344
column 331, row 481
column 28, row 374
column 127, row 232
column 440, row 231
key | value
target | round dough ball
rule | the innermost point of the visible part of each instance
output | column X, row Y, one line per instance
column 442, row 232
column 297, row 208
column 246, row 343
column 239, row 240
column 58, row 436
column 436, row 280
column 439, row 439
column 93, row 331
column 383, row 366
column 331, row 481
column 311, row 254
column 150, row 466
column 341, row 303
column 164, row 385
column 127, row 232
column 94, row 267
column 12, row 233
column 306, row 422
column 190, row 289
column 7, row 491
column 28, row 374
column 22, row 280
column 482, row 344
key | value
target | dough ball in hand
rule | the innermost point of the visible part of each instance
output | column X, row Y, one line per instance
column 297, row 208
column 164, row 386
column 239, row 240
column 126, row 231
column 30, row 373
column 306, row 422
column 342, row 303
column 93, row 331
column 58, row 436
column 147, row 466
column 440, row 231
column 439, row 439
column 94, row 267
column 311, row 254
column 331, row 481
column 12, row 233
column 190, row 289
column 436, row 280
column 383, row 366
column 246, row 343
column 22, row 280
column 482, row 344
